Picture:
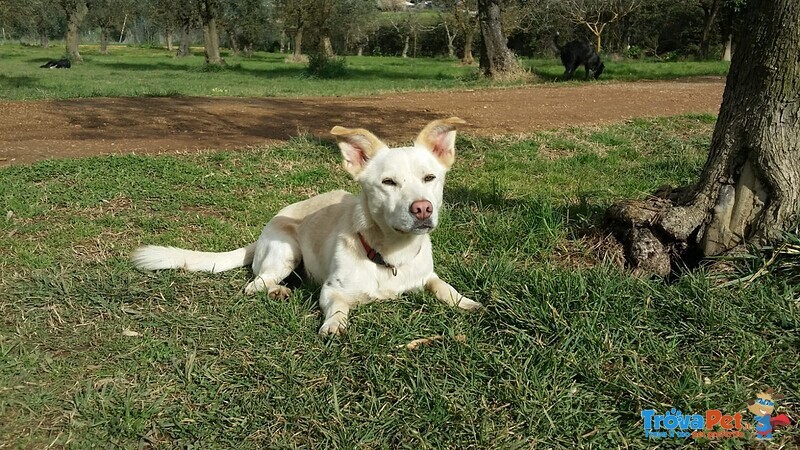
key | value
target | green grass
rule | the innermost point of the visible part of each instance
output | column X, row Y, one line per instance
column 133, row 71
column 566, row 355
column 632, row 70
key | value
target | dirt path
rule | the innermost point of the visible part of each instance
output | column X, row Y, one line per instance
column 34, row 130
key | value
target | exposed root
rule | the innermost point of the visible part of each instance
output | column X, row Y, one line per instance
column 665, row 232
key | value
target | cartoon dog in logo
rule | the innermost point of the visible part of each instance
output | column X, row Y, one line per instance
column 762, row 409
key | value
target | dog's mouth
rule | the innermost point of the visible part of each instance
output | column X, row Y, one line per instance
column 419, row 228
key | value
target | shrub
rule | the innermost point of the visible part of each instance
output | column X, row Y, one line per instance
column 324, row 66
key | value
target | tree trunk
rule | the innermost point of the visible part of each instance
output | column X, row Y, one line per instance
column 183, row 47
column 283, row 41
column 496, row 59
column 326, row 48
column 234, row 42
column 104, row 40
column 597, row 46
column 451, row 50
column 44, row 40
column 467, row 58
column 749, row 188
column 211, row 42
column 210, row 34
column 168, row 38
column 406, row 42
column 709, row 15
column 728, row 52
column 360, row 50
column 76, row 12
column 298, row 42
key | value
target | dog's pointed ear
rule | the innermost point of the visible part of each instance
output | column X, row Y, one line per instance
column 358, row 146
column 439, row 137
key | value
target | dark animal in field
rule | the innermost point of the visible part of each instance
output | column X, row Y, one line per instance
column 577, row 53
column 57, row 64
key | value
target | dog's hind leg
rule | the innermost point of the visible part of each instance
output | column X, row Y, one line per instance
column 276, row 256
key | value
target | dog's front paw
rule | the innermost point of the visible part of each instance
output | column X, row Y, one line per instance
column 467, row 304
column 279, row 292
column 335, row 325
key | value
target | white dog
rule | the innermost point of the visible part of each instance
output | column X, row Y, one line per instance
column 372, row 246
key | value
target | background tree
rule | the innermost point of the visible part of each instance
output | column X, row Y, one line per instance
column 292, row 15
column 76, row 11
column 107, row 15
column 597, row 14
column 40, row 18
column 710, row 10
column 750, row 185
column 464, row 14
column 246, row 23
column 165, row 14
column 496, row 61
column 209, row 9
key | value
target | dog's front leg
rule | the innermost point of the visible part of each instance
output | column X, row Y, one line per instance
column 448, row 294
column 333, row 303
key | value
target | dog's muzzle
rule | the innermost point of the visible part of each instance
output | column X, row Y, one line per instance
column 423, row 227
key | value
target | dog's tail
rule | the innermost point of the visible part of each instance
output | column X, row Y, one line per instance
column 153, row 257
column 556, row 47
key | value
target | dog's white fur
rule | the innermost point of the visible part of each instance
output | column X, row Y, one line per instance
column 322, row 231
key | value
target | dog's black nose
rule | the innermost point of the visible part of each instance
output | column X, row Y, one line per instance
column 421, row 209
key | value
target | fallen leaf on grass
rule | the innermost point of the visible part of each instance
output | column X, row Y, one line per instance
column 130, row 333
column 429, row 340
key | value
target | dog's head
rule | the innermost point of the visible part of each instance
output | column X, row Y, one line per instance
column 598, row 70
column 403, row 186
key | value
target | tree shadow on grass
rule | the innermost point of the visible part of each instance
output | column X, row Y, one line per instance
column 21, row 81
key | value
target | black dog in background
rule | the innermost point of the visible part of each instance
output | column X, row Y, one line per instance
column 575, row 54
column 57, row 64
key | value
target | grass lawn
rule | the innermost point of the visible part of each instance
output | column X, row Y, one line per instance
column 568, row 353
column 133, row 71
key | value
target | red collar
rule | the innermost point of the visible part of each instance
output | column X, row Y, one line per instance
column 374, row 256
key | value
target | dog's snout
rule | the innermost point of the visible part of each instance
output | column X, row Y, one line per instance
column 421, row 209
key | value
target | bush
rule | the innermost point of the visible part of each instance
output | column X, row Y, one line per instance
column 634, row 52
column 324, row 66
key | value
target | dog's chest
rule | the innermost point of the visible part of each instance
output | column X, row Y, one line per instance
column 410, row 277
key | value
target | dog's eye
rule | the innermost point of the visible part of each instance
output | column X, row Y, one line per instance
column 429, row 178
column 389, row 182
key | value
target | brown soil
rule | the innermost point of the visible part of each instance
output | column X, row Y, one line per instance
column 34, row 130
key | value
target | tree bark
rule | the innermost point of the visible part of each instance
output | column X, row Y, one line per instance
column 496, row 59
column 183, row 46
column 76, row 12
column 749, row 189
column 406, row 44
column 211, row 43
column 168, row 37
column 326, row 46
column 210, row 34
column 728, row 52
column 234, row 42
column 104, row 40
column 297, row 51
column 44, row 40
column 709, row 15
column 283, row 41
column 451, row 51
column 467, row 58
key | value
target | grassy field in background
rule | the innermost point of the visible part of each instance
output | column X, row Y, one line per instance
column 567, row 354
column 134, row 71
